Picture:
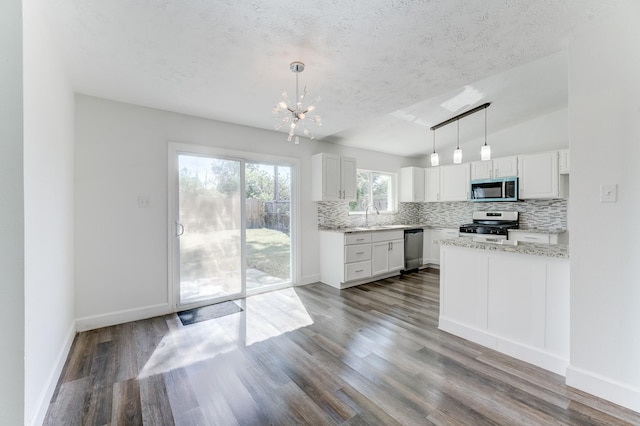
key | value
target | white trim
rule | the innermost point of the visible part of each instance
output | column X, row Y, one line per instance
column 604, row 387
column 118, row 317
column 547, row 360
column 174, row 148
column 309, row 279
column 42, row 404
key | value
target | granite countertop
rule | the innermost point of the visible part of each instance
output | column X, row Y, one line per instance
column 549, row 250
column 370, row 228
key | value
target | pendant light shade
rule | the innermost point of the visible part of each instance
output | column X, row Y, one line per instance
column 485, row 151
column 457, row 153
column 435, row 159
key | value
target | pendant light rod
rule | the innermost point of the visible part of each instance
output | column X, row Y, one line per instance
column 464, row 114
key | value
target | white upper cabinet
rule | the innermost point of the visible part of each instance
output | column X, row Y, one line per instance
column 481, row 170
column 412, row 184
column 564, row 161
column 496, row 168
column 454, row 182
column 333, row 178
column 432, row 184
column 538, row 175
column 505, row 167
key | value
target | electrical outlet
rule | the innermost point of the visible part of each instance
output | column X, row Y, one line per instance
column 608, row 193
column 144, row 202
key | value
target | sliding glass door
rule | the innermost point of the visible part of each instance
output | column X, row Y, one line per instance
column 232, row 226
column 268, row 225
column 209, row 228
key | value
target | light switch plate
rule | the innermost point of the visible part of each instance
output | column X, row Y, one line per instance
column 608, row 193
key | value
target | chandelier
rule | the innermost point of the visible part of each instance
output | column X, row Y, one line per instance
column 294, row 114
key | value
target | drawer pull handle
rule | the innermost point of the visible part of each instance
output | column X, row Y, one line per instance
column 360, row 270
column 360, row 239
column 360, row 252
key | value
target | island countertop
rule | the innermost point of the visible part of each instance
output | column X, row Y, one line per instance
column 548, row 250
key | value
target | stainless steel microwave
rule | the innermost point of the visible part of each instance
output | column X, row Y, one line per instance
column 500, row 189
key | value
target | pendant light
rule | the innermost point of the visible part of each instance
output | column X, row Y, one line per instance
column 457, row 153
column 435, row 160
column 485, row 151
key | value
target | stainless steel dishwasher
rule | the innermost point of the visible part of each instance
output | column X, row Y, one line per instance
column 412, row 249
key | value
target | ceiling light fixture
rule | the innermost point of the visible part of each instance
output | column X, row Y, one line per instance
column 294, row 114
column 485, row 151
column 435, row 160
column 457, row 153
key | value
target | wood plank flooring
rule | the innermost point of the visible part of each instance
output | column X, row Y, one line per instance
column 314, row 355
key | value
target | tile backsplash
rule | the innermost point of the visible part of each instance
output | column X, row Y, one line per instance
column 544, row 214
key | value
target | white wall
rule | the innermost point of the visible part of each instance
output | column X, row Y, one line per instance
column 604, row 118
column 11, row 215
column 48, row 214
column 121, row 152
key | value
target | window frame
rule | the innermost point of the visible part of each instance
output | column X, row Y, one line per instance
column 393, row 188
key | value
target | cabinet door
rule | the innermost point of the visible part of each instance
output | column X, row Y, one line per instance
column 379, row 257
column 538, row 175
column 396, row 255
column 432, row 184
column 325, row 177
column 454, row 182
column 530, row 237
column 505, row 167
column 412, row 184
column 482, row 170
column 348, row 178
column 563, row 161
column 440, row 234
column 426, row 246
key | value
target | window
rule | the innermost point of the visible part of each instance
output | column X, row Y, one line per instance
column 377, row 188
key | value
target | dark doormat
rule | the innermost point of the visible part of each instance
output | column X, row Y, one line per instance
column 192, row 316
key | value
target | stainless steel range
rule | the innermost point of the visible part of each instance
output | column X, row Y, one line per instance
column 490, row 225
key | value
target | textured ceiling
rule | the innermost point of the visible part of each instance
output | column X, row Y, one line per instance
column 381, row 67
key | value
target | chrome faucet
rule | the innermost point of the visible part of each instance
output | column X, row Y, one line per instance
column 366, row 214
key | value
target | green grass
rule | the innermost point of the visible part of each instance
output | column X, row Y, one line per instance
column 269, row 251
column 206, row 254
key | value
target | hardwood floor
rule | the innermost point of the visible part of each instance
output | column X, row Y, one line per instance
column 315, row 355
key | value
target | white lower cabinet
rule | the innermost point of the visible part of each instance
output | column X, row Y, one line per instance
column 436, row 235
column 427, row 246
column 387, row 252
column 355, row 258
column 537, row 237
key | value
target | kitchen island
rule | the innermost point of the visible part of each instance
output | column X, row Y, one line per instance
column 511, row 298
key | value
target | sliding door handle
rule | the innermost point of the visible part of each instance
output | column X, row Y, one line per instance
column 179, row 229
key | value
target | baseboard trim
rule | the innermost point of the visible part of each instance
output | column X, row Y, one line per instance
column 309, row 279
column 532, row 355
column 604, row 387
column 52, row 381
column 119, row 317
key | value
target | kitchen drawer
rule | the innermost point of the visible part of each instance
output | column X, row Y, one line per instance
column 357, row 253
column 357, row 238
column 357, row 270
column 530, row 237
column 387, row 236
